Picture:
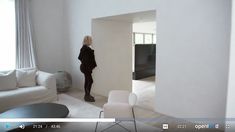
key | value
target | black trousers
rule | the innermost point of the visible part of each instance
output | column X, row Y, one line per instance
column 88, row 80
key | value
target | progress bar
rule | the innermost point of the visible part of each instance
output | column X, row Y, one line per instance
column 57, row 120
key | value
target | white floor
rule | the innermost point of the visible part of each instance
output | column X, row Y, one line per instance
column 145, row 90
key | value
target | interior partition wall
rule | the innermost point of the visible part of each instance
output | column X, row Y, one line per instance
column 112, row 44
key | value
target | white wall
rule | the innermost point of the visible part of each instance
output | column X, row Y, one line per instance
column 231, row 84
column 193, row 45
column 144, row 27
column 192, row 58
column 230, row 112
column 48, row 23
column 112, row 43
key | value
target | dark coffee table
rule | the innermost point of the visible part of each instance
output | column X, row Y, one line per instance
column 41, row 110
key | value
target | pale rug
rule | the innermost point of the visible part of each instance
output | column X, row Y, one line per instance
column 78, row 108
column 81, row 109
column 145, row 91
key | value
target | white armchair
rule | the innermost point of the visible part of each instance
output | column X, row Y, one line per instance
column 119, row 106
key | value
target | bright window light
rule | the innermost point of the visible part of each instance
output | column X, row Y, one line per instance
column 154, row 39
column 7, row 35
column 148, row 39
column 139, row 38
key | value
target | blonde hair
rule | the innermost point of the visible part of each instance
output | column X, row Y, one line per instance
column 87, row 40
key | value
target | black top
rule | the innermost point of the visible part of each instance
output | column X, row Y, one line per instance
column 87, row 58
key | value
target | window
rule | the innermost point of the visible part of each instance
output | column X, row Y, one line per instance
column 148, row 38
column 7, row 35
column 144, row 38
column 139, row 38
column 154, row 39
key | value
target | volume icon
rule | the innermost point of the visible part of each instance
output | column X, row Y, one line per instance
column 22, row 126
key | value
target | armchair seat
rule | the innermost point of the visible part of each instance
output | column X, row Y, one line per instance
column 120, row 106
column 118, row 111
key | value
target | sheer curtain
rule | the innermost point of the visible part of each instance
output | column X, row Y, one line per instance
column 25, row 53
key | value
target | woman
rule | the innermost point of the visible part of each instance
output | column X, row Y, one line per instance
column 88, row 63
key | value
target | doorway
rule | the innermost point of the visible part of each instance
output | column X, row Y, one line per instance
column 122, row 44
column 144, row 62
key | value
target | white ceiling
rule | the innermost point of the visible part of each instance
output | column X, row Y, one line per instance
column 146, row 16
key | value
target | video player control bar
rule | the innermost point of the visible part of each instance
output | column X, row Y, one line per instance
column 57, row 120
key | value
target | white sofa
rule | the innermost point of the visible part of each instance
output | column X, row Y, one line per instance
column 44, row 91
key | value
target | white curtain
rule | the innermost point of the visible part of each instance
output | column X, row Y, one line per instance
column 25, row 53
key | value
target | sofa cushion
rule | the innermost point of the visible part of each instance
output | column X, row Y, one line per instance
column 26, row 77
column 23, row 96
column 8, row 80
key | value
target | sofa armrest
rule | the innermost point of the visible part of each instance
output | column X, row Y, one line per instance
column 46, row 79
column 118, row 110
